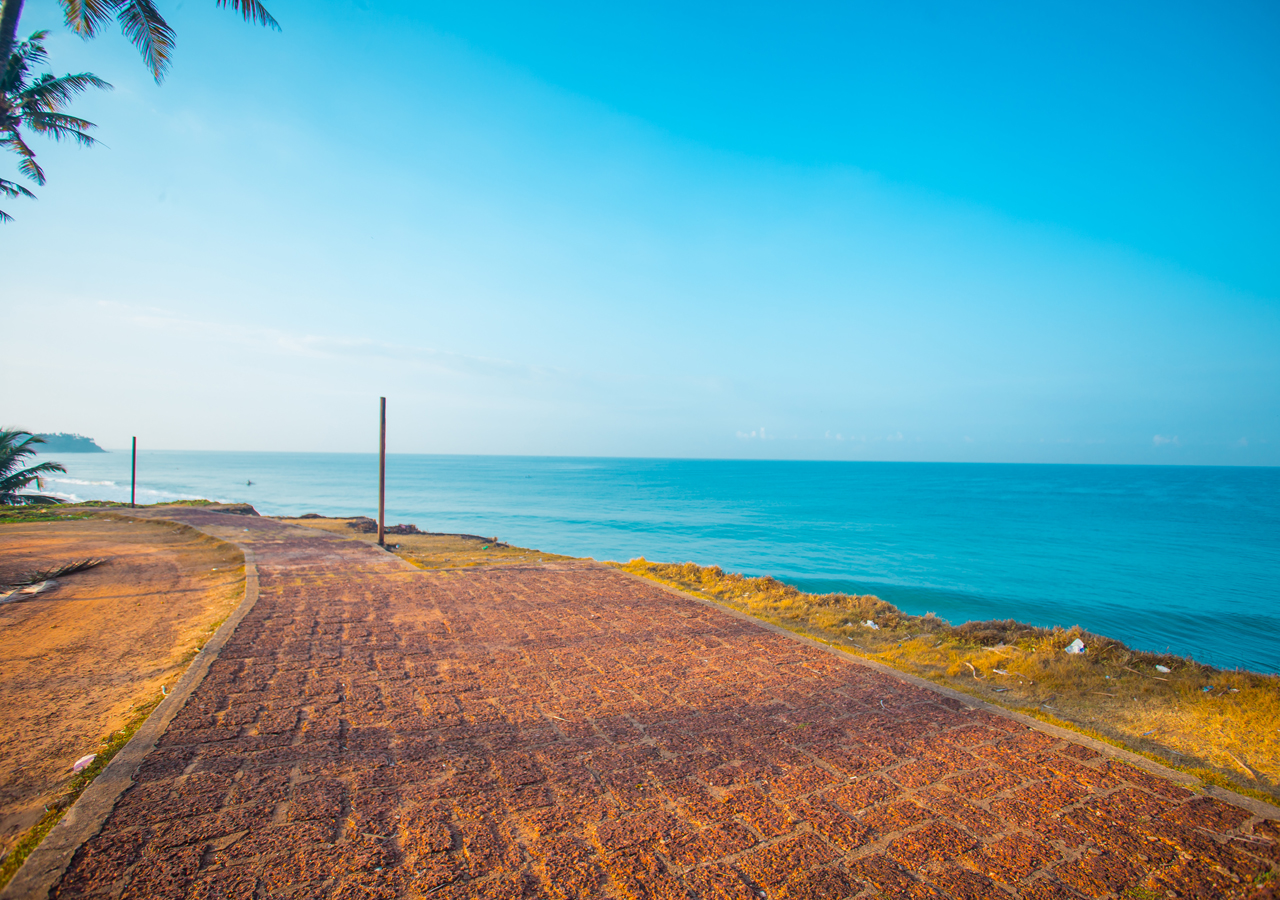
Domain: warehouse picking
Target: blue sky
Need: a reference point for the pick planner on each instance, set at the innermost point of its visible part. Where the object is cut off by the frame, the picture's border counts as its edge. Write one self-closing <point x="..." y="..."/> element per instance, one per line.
<point x="1006" y="233"/>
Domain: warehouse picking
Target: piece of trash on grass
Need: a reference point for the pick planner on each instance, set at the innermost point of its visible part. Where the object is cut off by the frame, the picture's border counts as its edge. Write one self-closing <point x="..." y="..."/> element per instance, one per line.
<point x="1207" y="688"/>
<point x="870" y="624"/>
<point x="84" y="762"/>
<point x="1145" y="733"/>
<point x="1000" y="671"/>
<point x="1076" y="646"/>
<point x="1001" y="690"/>
<point x="1164" y="669"/>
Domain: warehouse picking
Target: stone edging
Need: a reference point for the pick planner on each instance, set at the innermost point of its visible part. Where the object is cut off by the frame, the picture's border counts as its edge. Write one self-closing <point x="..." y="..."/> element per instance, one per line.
<point x="1258" y="808"/>
<point x="47" y="863"/>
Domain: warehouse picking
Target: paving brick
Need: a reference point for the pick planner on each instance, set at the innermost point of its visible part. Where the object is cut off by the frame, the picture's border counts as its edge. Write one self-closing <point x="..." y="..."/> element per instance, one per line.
<point x="772" y="866"/>
<point x="758" y="811"/>
<point x="373" y="730"/>
<point x="1011" y="858"/>
<point x="933" y="841"/>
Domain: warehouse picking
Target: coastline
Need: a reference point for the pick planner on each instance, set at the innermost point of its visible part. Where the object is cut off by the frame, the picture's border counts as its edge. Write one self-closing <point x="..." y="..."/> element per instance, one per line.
<point x="1164" y="561"/>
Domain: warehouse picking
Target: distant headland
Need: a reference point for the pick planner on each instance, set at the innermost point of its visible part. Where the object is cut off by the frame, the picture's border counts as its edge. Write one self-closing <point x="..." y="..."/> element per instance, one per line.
<point x="68" y="443"/>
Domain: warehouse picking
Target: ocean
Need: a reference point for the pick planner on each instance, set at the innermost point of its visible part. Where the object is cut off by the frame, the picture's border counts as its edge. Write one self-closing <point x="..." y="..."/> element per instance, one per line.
<point x="1167" y="559"/>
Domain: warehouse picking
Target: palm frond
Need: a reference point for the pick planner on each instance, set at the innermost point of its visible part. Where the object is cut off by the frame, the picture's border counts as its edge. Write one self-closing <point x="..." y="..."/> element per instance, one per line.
<point x="28" y="166"/>
<point x="51" y="94"/>
<point x="16" y="446"/>
<point x="29" y="53"/>
<point x="23" y="477"/>
<point x="61" y="571"/>
<point x="85" y="17"/>
<point x="253" y="11"/>
<point x="13" y="189"/>
<point x="59" y="126"/>
<point x="142" y="24"/>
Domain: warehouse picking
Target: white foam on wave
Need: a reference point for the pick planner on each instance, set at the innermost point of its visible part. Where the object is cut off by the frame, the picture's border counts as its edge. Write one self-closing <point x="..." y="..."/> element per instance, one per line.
<point x="77" y="481"/>
<point x="119" y="493"/>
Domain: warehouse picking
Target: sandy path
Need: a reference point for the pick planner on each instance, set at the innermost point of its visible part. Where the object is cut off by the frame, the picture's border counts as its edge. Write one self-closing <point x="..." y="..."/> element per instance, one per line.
<point x="376" y="731"/>
<point x="76" y="660"/>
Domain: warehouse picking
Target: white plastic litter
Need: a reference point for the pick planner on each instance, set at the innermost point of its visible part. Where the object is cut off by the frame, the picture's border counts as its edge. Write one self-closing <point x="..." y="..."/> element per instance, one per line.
<point x="83" y="762"/>
<point x="870" y="624"/>
<point x="1164" y="669"/>
<point x="1076" y="646"/>
<point x="1000" y="671"/>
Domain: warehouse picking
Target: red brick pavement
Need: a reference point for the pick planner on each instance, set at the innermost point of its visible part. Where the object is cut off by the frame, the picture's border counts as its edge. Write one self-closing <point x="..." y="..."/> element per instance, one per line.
<point x="372" y="731"/>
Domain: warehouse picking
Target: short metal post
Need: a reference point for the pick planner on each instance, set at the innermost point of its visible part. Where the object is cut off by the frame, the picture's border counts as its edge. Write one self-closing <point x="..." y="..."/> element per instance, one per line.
<point x="133" y="477"/>
<point x="382" y="475"/>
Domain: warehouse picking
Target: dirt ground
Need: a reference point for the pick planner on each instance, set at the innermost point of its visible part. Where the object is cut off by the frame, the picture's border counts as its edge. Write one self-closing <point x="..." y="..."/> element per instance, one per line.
<point x="78" y="659"/>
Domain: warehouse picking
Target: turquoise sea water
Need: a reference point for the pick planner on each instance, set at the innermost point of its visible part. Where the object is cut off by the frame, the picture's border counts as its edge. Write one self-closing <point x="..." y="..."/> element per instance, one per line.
<point x="1184" y="559"/>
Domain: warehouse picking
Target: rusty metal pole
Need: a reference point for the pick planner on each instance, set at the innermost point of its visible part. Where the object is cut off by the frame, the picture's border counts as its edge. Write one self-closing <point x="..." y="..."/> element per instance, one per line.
<point x="382" y="476"/>
<point x="133" y="477"/>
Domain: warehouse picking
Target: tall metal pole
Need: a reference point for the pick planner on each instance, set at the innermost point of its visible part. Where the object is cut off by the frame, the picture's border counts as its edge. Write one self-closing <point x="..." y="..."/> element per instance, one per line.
<point x="133" y="477"/>
<point x="382" y="475"/>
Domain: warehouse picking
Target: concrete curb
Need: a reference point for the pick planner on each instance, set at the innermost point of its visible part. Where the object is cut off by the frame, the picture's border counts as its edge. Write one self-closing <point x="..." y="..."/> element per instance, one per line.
<point x="47" y="863"/>
<point x="1258" y="808"/>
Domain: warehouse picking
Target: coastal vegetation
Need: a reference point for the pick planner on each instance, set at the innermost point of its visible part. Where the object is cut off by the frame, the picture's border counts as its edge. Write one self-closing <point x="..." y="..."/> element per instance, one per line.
<point x="15" y="447"/>
<point x="59" y="442"/>
<point x="1221" y="726"/>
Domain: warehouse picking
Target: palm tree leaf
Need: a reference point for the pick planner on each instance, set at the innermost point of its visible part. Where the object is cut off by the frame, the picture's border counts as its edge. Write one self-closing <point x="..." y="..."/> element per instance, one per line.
<point x="13" y="189"/>
<point x="142" y="24"/>
<point x="253" y="11"/>
<point x="28" y="166"/>
<point x="59" y="126"/>
<point x="13" y="479"/>
<point x="85" y="17"/>
<point x="50" y="93"/>
<point x="29" y="53"/>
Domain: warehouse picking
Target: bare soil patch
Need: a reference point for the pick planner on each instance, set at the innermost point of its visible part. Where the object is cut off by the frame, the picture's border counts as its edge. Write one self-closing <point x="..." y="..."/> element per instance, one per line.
<point x="80" y="658"/>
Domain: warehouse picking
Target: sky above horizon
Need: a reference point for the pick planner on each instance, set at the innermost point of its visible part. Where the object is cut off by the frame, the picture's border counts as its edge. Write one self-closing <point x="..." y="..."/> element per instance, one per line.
<point x="1002" y="233"/>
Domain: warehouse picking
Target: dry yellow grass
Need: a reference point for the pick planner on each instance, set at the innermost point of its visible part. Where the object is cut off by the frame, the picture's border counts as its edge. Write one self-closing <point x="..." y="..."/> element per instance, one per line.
<point x="1223" y="726"/>
<point x="438" y="551"/>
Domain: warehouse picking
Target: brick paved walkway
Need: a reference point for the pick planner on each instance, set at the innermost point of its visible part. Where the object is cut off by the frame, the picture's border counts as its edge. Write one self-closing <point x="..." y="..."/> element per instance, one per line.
<point x="376" y="731"/>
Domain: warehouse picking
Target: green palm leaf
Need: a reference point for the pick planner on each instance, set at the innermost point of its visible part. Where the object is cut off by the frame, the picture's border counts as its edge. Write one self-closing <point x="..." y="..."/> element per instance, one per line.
<point x="12" y="189"/>
<point x="37" y="104"/>
<point x="253" y="12"/>
<point x="59" y="126"/>
<point x="15" y="446"/>
<point x="51" y="94"/>
<point x="28" y="166"/>
<point x="142" y="24"/>
<point x="85" y="17"/>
